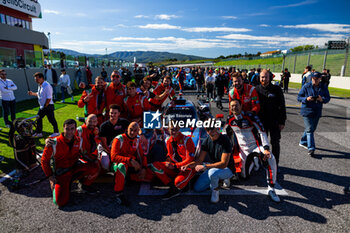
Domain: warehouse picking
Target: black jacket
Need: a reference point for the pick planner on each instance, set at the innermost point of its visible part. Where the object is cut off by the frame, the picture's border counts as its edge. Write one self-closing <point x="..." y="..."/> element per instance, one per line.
<point x="272" y="105"/>
<point x="54" y="75"/>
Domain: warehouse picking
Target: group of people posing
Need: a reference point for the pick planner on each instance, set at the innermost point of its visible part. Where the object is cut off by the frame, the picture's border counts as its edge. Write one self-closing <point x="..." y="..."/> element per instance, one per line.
<point x="111" y="139"/>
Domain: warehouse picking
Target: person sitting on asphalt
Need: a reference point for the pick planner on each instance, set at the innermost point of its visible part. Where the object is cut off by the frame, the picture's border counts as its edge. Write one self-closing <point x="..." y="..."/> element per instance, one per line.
<point x="115" y="91"/>
<point x="245" y="93"/>
<point x="128" y="158"/>
<point x="180" y="153"/>
<point x="109" y="129"/>
<point x="65" y="153"/>
<point x="93" y="101"/>
<point x="135" y="104"/>
<point x="219" y="149"/>
<point x="162" y="92"/>
<point x="247" y="129"/>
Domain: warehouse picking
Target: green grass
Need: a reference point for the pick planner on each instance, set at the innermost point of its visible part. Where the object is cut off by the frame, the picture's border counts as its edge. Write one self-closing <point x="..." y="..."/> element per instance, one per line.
<point x="344" y="93"/>
<point x="184" y="62"/>
<point x="30" y="108"/>
<point x="334" y="63"/>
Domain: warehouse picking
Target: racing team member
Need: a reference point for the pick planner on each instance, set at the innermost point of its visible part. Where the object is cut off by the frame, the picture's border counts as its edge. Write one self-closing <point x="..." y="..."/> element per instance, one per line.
<point x="181" y="76"/>
<point x="273" y="110"/>
<point x="135" y="104"/>
<point x="108" y="131"/>
<point x="64" y="154"/>
<point x="93" y="101"/>
<point x="115" y="91"/>
<point x="128" y="159"/>
<point x="247" y="130"/>
<point x="180" y="153"/>
<point x="245" y="93"/>
<point x="89" y="139"/>
<point x="162" y="91"/>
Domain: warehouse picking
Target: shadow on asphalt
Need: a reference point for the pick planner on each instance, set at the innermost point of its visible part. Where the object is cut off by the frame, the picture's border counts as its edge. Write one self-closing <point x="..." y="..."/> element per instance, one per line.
<point x="255" y="206"/>
<point x="335" y="154"/>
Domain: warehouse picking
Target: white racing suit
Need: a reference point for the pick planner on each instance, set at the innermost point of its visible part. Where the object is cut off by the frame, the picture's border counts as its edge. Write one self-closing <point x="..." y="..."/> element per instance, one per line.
<point x="249" y="132"/>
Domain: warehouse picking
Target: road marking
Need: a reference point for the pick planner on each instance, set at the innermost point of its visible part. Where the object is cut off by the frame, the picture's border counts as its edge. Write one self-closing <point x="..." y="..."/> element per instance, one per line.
<point x="145" y="190"/>
<point x="7" y="176"/>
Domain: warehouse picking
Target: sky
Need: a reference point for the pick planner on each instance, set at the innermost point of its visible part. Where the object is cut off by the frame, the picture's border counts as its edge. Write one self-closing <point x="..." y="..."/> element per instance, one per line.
<point x="202" y="28"/>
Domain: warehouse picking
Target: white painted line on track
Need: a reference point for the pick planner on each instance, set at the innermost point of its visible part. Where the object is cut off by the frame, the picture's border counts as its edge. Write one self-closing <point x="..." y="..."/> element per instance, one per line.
<point x="7" y="176"/>
<point x="145" y="190"/>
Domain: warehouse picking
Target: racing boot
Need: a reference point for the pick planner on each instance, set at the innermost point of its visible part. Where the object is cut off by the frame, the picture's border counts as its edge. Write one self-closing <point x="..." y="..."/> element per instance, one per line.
<point x="173" y="192"/>
<point x="272" y="194"/>
<point x="122" y="200"/>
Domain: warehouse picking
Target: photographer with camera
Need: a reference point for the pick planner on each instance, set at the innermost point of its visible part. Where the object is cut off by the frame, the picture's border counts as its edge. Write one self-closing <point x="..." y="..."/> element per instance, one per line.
<point x="312" y="97"/>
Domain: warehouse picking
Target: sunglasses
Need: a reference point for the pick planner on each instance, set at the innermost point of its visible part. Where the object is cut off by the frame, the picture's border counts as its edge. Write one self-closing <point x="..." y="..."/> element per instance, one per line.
<point x="115" y="76"/>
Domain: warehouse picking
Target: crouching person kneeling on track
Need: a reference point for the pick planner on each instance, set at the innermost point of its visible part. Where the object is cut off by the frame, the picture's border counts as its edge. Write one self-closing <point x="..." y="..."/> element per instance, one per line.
<point x="173" y="171"/>
<point x="60" y="162"/>
<point x="247" y="130"/>
<point x="219" y="149"/>
<point x="128" y="158"/>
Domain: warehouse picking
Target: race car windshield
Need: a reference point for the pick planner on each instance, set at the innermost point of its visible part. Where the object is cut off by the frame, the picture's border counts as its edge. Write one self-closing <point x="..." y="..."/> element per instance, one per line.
<point x="180" y="114"/>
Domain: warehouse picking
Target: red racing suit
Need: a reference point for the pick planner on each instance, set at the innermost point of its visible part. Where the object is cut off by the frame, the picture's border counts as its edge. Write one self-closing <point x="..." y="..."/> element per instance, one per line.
<point x="63" y="156"/>
<point x="89" y="140"/>
<point x="114" y="95"/>
<point x="157" y="104"/>
<point x="92" y="107"/>
<point x="180" y="152"/>
<point x="135" y="106"/>
<point x="249" y="98"/>
<point x="249" y="131"/>
<point x="123" y="150"/>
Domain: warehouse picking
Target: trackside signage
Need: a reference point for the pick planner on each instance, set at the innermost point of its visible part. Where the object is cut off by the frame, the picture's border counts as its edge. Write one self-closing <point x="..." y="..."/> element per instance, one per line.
<point x="30" y="7"/>
<point x="152" y="120"/>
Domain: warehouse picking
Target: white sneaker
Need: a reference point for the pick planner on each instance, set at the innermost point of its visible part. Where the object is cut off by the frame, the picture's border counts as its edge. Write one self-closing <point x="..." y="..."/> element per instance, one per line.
<point x="226" y="183"/>
<point x="62" y="101"/>
<point x="274" y="197"/>
<point x="37" y="135"/>
<point x="256" y="163"/>
<point x="303" y="146"/>
<point x="55" y="135"/>
<point x="214" y="196"/>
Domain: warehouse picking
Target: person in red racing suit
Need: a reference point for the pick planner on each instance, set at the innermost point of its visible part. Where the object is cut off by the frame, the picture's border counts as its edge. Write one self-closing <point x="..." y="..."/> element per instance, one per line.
<point x="128" y="157"/>
<point x="245" y="93"/>
<point x="89" y="139"/>
<point x="135" y="104"/>
<point x="63" y="156"/>
<point x="115" y="91"/>
<point x="248" y="130"/>
<point x="93" y="101"/>
<point x="181" y="76"/>
<point x="180" y="153"/>
<point x="162" y="92"/>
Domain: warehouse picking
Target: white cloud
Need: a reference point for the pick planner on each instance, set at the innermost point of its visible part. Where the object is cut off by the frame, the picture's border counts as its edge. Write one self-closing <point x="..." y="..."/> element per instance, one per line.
<point x="159" y="26"/>
<point x="215" y="29"/>
<point x="166" y="17"/>
<point x="121" y="25"/>
<point x="141" y="16"/>
<point x="47" y="11"/>
<point x="330" y="27"/>
<point x="307" y="2"/>
<point x="280" y="41"/>
<point x="229" y="17"/>
<point x="147" y="43"/>
<point x="264" y="25"/>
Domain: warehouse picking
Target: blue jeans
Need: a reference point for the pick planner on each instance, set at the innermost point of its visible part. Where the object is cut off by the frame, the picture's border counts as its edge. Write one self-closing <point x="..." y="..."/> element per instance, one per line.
<point x="54" y="94"/>
<point x="6" y="106"/>
<point x="210" y="178"/>
<point x="63" y="90"/>
<point x="310" y="124"/>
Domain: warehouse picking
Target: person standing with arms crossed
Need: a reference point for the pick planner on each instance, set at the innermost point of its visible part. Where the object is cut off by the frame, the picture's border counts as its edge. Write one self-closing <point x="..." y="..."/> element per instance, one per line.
<point x="8" y="98"/>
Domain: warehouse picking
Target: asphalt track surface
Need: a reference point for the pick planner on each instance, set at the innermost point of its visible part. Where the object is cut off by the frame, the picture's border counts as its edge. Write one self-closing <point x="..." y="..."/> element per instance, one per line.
<point x="317" y="198"/>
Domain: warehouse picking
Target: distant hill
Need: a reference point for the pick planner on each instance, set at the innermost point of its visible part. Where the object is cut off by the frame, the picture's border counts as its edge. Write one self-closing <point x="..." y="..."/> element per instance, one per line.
<point x="141" y="56"/>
